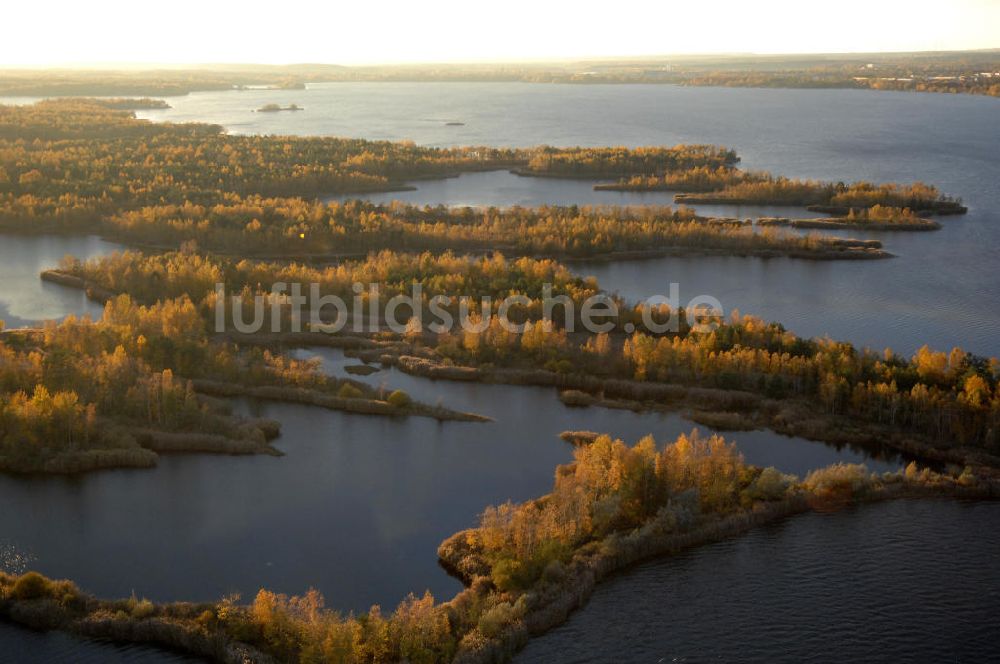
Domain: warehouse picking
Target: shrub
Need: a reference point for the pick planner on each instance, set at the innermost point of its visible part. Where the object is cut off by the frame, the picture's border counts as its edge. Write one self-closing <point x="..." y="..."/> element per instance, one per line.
<point x="493" y="622"/>
<point x="559" y="366"/>
<point x="348" y="391"/>
<point x="554" y="572"/>
<point x="507" y="574"/>
<point x="66" y="593"/>
<point x="31" y="586"/>
<point x="207" y="618"/>
<point x="399" y="399"/>
<point x="839" y="478"/>
<point x="967" y="478"/>
<point x="577" y="398"/>
<point x="141" y="609"/>
<point x="771" y="484"/>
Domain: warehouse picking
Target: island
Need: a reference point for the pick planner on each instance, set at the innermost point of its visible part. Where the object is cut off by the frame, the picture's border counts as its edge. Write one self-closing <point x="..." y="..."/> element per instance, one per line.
<point x="275" y="108"/>
<point x="875" y="218"/>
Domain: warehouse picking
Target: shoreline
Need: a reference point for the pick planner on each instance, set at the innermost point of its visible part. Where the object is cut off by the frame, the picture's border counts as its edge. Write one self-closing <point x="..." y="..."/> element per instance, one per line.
<point x="311" y="397"/>
<point x="753" y="409"/>
<point x="838" y="249"/>
<point x="941" y="208"/>
<point x="35" y="602"/>
<point x="150" y="445"/>
<point x="596" y="562"/>
<point x="843" y="223"/>
<point x="723" y="410"/>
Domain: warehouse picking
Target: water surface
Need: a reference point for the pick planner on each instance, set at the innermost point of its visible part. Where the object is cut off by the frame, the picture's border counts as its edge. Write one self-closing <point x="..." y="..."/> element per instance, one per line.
<point x="25" y="299"/>
<point x="355" y="509"/>
<point x="25" y="646"/>
<point x="890" y="582"/>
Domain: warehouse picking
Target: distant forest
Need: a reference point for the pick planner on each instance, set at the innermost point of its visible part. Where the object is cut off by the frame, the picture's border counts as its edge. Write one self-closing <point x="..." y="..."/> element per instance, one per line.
<point x="965" y="72"/>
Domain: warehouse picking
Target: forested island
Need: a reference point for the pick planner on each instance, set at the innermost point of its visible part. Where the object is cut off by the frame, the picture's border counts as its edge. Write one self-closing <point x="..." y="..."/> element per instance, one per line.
<point x="274" y="108"/>
<point x="834" y="198"/>
<point x="857" y="201"/>
<point x="875" y="218"/>
<point x="80" y="395"/>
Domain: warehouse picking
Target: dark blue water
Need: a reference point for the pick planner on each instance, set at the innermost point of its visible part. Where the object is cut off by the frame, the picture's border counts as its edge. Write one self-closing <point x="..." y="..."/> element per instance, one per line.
<point x="907" y="581"/>
<point x="24" y="646"/>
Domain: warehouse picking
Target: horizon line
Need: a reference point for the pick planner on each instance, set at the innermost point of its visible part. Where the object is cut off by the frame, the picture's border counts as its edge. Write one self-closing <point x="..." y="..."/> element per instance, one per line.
<point x="569" y="59"/>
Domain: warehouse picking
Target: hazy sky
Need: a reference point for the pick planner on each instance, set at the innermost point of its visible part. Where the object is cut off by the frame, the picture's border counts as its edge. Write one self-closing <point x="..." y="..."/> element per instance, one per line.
<point x="46" y="32"/>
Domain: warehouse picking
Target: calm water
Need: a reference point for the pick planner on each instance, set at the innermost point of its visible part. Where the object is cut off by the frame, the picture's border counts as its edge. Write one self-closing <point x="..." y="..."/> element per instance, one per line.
<point x="893" y="582"/>
<point x="941" y="290"/>
<point x="29" y="647"/>
<point x="24" y="298"/>
<point x="356" y="509"/>
<point x="504" y="189"/>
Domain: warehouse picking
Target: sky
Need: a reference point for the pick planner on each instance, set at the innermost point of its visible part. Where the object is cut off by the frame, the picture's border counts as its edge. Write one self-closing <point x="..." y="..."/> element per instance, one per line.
<point x="77" y="32"/>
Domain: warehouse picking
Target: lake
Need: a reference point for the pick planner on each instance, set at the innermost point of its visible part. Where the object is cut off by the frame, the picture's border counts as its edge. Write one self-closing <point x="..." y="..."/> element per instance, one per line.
<point x="359" y="504"/>
<point x="25" y="300"/>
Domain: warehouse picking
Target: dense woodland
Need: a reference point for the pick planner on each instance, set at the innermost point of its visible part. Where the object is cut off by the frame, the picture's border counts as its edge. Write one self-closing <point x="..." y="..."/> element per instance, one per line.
<point x="84" y="165"/>
<point x="483" y="282"/>
<point x="73" y="394"/>
<point x="69" y="163"/>
<point x="65" y="394"/>
<point x="136" y="83"/>
<point x="698" y="178"/>
<point x="295" y="227"/>
<point x="730" y="185"/>
<point x="622" y="161"/>
<point x="151" y="277"/>
<point x="953" y="398"/>
<point x="615" y="487"/>
<point x="74" y="160"/>
<point x="957" y="82"/>
<point x="968" y="72"/>
<point x="876" y="217"/>
<point x="858" y="201"/>
<point x="830" y="196"/>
